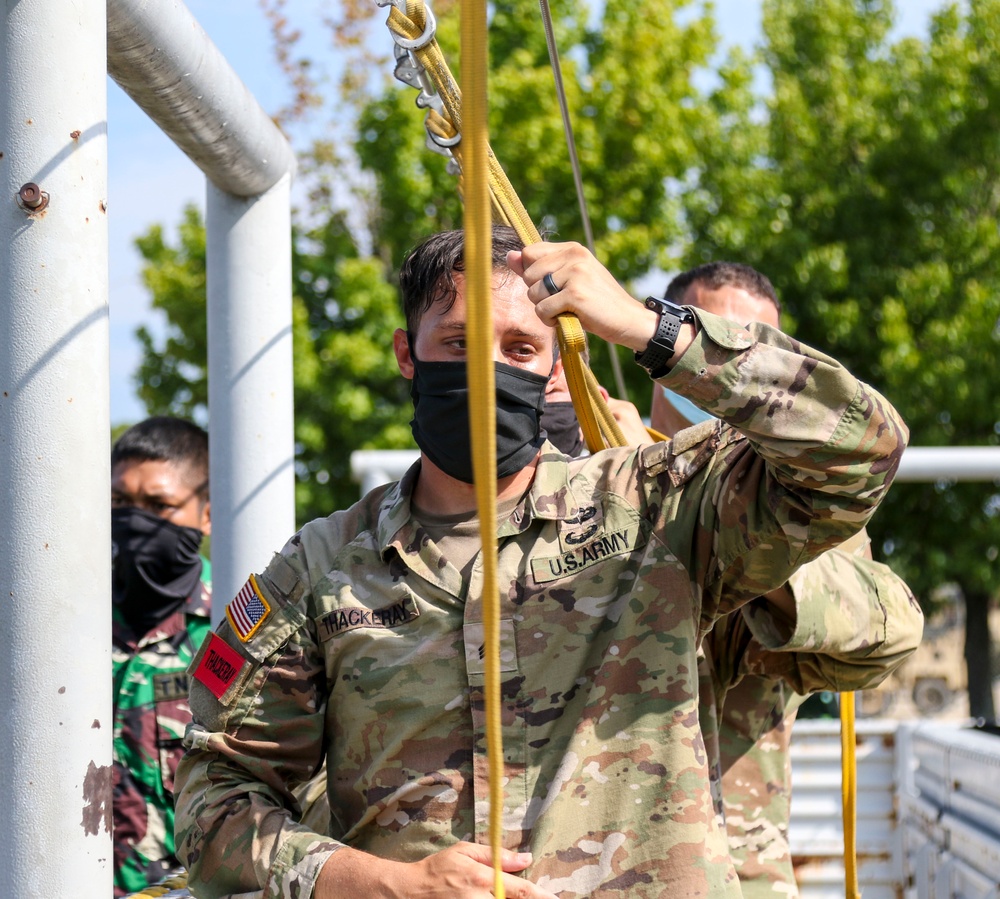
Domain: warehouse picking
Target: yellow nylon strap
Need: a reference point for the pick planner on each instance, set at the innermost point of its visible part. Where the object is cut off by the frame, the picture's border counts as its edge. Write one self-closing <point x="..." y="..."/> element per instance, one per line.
<point x="849" y="795"/>
<point x="482" y="394"/>
<point x="596" y="421"/>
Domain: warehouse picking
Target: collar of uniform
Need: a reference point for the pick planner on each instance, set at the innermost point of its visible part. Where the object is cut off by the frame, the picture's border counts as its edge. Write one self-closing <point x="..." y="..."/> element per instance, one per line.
<point x="551" y="496"/>
<point x="394" y="508"/>
<point x="197" y="605"/>
<point x="124" y="636"/>
<point x="200" y="602"/>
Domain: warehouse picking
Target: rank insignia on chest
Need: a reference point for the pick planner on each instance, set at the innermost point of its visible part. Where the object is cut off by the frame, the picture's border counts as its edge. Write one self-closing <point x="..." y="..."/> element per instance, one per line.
<point x="248" y="611"/>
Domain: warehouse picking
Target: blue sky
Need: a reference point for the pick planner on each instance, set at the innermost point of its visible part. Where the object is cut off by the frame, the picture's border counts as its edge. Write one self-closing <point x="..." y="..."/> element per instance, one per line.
<point x="150" y="180"/>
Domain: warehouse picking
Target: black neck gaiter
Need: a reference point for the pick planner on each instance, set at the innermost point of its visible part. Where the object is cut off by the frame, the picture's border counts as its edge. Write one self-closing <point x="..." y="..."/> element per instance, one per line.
<point x="155" y="566"/>
<point x="562" y="428"/>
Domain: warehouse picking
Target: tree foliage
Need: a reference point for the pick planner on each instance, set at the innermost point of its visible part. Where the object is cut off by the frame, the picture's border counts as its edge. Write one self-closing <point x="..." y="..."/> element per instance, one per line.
<point x="632" y="108"/>
<point x="865" y="186"/>
<point x="171" y="379"/>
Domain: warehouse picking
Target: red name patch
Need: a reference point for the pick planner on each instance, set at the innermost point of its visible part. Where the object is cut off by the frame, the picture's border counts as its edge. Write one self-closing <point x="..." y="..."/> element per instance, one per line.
<point x="219" y="666"/>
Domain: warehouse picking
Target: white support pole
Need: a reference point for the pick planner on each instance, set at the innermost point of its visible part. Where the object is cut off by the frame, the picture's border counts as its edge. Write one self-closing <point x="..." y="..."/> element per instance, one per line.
<point x="249" y="382"/>
<point x="163" y="59"/>
<point x="950" y="463"/>
<point x="55" y="549"/>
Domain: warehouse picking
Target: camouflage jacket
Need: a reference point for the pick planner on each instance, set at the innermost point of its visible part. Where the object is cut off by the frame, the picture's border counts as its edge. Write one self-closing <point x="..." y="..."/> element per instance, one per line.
<point x="856" y="622"/>
<point x="150" y="715"/>
<point x="361" y="645"/>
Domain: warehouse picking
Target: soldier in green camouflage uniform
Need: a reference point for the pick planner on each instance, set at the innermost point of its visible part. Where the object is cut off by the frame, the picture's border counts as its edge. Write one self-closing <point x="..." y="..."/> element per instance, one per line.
<point x="161" y="593"/>
<point x="856" y="621"/>
<point x="361" y="643"/>
<point x="852" y="622"/>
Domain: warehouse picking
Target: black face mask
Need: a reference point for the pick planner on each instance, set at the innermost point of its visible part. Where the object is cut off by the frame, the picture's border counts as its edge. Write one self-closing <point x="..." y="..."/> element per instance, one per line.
<point x="155" y="566"/>
<point x="562" y="427"/>
<point x="441" y="416"/>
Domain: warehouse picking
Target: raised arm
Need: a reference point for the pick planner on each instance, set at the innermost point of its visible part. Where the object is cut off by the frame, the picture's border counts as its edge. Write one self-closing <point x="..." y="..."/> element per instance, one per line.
<point x="820" y="447"/>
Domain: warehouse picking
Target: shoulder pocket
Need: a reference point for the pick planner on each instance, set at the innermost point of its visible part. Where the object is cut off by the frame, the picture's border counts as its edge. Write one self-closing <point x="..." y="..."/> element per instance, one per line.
<point x="228" y="662"/>
<point x="688" y="452"/>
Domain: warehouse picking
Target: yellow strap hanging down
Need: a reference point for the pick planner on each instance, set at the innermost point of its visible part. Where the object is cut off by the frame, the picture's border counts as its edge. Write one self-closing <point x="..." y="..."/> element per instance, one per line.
<point x="849" y="795"/>
<point x="482" y="394"/>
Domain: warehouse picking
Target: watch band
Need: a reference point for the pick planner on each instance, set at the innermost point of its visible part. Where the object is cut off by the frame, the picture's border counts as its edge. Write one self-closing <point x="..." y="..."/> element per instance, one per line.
<point x="661" y="346"/>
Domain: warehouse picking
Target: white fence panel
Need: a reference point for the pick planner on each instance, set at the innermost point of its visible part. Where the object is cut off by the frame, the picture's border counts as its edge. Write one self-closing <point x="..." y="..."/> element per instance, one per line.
<point x="816" y="829"/>
<point x="950" y="811"/>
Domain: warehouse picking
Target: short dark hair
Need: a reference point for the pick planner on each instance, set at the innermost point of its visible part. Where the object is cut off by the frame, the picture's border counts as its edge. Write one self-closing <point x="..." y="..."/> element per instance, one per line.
<point x="715" y="275"/>
<point x="167" y="439"/>
<point x="428" y="272"/>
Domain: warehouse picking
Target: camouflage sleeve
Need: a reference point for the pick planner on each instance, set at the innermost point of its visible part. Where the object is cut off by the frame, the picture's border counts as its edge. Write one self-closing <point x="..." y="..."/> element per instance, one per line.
<point x="820" y="450"/>
<point x="855" y="622"/>
<point x="237" y="817"/>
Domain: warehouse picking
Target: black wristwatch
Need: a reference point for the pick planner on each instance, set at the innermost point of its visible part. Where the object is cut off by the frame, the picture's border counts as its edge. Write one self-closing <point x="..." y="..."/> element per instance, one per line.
<point x="661" y="347"/>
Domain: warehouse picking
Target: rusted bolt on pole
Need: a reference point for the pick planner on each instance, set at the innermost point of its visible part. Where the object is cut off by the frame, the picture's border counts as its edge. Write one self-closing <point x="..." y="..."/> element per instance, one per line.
<point x="32" y="197"/>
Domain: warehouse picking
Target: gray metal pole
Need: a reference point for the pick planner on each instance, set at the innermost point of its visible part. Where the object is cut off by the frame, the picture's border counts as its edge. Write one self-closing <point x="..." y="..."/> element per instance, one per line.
<point x="55" y="550"/>
<point x="249" y="382"/>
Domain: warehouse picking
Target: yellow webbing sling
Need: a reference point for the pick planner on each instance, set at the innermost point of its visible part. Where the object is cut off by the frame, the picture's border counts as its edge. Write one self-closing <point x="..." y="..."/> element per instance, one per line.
<point x="849" y="795"/>
<point x="161" y="889"/>
<point x="415" y="27"/>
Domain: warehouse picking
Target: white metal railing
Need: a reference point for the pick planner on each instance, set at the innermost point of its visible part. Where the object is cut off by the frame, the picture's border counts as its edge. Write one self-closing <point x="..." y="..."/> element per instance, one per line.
<point x="816" y="826"/>
<point x="919" y="463"/>
<point x="949" y="810"/>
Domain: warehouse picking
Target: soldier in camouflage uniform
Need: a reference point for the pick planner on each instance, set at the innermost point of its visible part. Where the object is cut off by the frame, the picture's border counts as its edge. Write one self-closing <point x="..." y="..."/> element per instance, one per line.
<point x="161" y="592"/>
<point x="852" y="622"/>
<point x="361" y="642"/>
<point x="855" y="622"/>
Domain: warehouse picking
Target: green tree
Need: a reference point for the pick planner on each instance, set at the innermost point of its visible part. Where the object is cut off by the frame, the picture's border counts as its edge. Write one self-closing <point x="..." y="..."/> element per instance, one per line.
<point x="171" y="380"/>
<point x="864" y="186"/>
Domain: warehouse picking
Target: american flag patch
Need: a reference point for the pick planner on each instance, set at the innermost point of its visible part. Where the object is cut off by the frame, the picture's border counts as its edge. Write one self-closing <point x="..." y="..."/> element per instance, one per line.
<point x="248" y="611"/>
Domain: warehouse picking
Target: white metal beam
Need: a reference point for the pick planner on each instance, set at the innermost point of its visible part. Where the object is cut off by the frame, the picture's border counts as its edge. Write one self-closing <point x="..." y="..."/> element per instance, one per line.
<point x="162" y="58"/>
<point x="950" y="463"/>
<point x="919" y="463"/>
